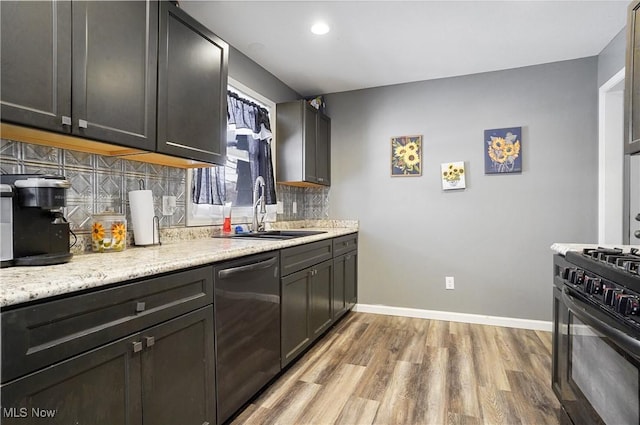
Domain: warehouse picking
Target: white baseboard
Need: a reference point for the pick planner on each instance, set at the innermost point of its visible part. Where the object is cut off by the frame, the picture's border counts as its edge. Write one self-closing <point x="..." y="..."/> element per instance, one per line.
<point x="508" y="322"/>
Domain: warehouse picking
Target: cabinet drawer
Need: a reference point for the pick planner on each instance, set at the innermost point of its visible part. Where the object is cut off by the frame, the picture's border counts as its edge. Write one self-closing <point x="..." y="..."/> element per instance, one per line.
<point x="344" y="244"/>
<point x="42" y="334"/>
<point x="303" y="256"/>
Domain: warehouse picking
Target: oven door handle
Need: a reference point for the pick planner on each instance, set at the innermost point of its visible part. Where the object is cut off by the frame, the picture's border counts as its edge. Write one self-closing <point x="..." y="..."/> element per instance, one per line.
<point x="587" y="314"/>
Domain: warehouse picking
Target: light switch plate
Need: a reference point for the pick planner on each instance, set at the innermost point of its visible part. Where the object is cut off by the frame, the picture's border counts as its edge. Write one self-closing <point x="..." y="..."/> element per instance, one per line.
<point x="294" y="207"/>
<point x="280" y="207"/>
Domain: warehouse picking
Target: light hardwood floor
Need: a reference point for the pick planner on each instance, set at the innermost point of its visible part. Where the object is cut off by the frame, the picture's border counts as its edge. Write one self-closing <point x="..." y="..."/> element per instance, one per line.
<point x="374" y="369"/>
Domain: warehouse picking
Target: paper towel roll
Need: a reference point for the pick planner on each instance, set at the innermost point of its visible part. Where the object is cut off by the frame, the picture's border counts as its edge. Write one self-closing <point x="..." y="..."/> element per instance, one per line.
<point x="141" y="203"/>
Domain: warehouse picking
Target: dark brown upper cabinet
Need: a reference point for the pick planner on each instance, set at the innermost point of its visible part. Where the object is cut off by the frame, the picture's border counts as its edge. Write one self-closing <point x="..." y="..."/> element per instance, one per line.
<point x="35" y="64"/>
<point x="632" y="81"/>
<point x="82" y="68"/>
<point x="303" y="144"/>
<point x="192" y="88"/>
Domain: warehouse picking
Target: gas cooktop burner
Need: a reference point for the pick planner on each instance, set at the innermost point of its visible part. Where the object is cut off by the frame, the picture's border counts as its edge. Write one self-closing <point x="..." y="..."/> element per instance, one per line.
<point x="627" y="261"/>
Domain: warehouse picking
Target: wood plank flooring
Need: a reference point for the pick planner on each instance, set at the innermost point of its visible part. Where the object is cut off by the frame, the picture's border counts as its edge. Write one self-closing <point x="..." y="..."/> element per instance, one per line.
<point x="374" y="369"/>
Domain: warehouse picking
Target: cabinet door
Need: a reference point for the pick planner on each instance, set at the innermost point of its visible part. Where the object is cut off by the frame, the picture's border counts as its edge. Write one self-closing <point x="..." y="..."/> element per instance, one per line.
<point x="295" y="318"/>
<point x="339" y="304"/>
<point x="323" y="150"/>
<point x="178" y="378"/>
<point x="101" y="386"/>
<point x="310" y="126"/>
<point x="351" y="279"/>
<point x="320" y="298"/>
<point x="192" y="88"/>
<point x="35" y="63"/>
<point x="345" y="283"/>
<point x="114" y="71"/>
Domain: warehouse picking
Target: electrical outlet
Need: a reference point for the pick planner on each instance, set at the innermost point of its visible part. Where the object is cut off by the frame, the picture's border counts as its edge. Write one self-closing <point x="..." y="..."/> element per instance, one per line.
<point x="168" y="205"/>
<point x="295" y="207"/>
<point x="448" y="282"/>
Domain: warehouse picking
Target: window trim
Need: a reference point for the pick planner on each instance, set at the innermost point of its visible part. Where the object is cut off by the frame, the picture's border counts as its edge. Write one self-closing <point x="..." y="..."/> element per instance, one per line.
<point x="238" y="214"/>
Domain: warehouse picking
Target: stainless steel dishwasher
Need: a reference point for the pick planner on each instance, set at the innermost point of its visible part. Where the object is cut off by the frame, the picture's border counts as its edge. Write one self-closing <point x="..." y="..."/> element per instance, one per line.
<point x="247" y="325"/>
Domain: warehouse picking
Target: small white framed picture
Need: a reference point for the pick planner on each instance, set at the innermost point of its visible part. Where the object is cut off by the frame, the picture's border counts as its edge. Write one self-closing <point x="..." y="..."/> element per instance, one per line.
<point x="452" y="175"/>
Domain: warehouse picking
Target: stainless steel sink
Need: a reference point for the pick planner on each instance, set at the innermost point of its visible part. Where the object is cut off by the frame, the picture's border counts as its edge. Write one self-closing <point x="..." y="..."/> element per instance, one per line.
<point x="276" y="234"/>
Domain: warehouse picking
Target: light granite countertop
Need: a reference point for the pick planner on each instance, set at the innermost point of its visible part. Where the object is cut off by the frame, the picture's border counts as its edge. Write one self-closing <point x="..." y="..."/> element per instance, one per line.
<point x="22" y="284"/>
<point x="563" y="248"/>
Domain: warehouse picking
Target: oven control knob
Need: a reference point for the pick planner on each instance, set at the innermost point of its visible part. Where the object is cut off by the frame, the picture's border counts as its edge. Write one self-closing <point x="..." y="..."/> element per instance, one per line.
<point x="565" y="273"/>
<point x="576" y="276"/>
<point x="592" y="285"/>
<point x="627" y="304"/>
<point x="609" y="295"/>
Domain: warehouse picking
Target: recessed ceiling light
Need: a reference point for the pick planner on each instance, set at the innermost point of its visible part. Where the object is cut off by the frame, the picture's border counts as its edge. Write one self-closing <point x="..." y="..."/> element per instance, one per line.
<point x="320" y="28"/>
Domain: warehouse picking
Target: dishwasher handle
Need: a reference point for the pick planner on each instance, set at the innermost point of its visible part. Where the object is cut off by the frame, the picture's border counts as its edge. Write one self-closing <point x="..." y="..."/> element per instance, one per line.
<point x="225" y="273"/>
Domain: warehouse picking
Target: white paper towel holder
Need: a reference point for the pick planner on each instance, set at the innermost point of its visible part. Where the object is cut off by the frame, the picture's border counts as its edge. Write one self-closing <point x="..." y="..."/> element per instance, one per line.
<point x="155" y="235"/>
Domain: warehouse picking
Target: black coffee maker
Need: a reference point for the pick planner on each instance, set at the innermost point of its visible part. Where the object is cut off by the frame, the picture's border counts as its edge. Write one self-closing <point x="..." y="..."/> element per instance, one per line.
<point x="40" y="231"/>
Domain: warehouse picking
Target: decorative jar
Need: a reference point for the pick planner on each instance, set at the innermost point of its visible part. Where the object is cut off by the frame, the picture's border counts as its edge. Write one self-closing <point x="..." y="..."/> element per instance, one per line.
<point x="108" y="232"/>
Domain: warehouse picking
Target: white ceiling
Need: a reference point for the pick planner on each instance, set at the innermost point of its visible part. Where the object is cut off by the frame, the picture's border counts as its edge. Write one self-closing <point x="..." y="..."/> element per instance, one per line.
<point x="377" y="43"/>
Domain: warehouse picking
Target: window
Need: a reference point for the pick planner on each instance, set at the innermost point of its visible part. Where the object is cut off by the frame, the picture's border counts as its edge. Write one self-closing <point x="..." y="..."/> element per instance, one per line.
<point x="249" y="154"/>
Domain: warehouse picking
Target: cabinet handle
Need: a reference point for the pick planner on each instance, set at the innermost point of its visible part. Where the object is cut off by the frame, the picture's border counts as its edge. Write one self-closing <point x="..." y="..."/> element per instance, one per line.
<point x="140" y="306"/>
<point x="320" y="179"/>
<point x="66" y="120"/>
<point x="83" y="123"/>
<point x="205" y="423"/>
<point x="150" y="340"/>
<point x="137" y="346"/>
<point x="348" y="257"/>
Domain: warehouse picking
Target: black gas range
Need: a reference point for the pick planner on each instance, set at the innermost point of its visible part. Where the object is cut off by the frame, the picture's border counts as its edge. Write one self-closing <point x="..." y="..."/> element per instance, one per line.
<point x="596" y="336"/>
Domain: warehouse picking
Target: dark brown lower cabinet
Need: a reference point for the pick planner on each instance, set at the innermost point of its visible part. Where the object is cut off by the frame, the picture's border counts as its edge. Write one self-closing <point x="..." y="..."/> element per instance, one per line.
<point x="100" y="386"/>
<point x="320" y="298"/>
<point x="345" y="282"/>
<point x="306" y="308"/>
<point x="178" y="377"/>
<point x="351" y="279"/>
<point x="162" y="375"/>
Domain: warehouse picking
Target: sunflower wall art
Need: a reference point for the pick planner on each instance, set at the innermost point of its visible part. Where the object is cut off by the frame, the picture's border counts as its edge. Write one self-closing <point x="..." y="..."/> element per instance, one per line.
<point x="453" y="175"/>
<point x="406" y="156"/>
<point x="503" y="150"/>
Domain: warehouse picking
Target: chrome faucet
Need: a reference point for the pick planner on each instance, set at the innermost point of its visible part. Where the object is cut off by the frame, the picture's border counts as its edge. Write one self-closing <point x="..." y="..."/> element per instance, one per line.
<point x="258" y="185"/>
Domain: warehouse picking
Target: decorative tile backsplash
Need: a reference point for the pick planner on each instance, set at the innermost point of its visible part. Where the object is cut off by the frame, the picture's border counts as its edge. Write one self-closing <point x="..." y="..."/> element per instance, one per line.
<point x="100" y="183"/>
<point x="311" y="203"/>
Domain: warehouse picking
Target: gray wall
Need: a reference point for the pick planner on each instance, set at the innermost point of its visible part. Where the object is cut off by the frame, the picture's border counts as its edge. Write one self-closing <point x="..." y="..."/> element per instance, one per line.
<point x="252" y="75"/>
<point x="493" y="237"/>
<point x="612" y="58"/>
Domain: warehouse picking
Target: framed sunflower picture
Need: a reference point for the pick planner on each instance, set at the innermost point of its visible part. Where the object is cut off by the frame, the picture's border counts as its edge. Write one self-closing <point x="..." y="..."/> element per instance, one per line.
<point x="453" y="175"/>
<point x="503" y="150"/>
<point x="406" y="156"/>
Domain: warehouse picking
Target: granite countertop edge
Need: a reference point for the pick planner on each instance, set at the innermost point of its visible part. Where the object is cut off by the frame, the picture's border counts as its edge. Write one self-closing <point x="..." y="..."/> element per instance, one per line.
<point x="562" y="248"/>
<point x="26" y="284"/>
